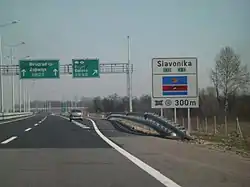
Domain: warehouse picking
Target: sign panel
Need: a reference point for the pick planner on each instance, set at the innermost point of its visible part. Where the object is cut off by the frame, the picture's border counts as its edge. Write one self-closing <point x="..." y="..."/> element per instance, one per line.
<point x="85" y="68"/>
<point x="174" y="83"/>
<point x="39" y="69"/>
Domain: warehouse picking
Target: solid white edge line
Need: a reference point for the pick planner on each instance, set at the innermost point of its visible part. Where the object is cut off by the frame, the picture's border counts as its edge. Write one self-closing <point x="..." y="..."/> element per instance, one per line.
<point x="151" y="171"/>
<point x="80" y="124"/>
<point x="76" y="123"/>
<point x="9" y="140"/>
<point x="28" y="129"/>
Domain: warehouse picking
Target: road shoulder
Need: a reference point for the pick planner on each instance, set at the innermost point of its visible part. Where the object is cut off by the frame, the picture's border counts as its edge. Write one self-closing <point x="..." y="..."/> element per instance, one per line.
<point x="188" y="164"/>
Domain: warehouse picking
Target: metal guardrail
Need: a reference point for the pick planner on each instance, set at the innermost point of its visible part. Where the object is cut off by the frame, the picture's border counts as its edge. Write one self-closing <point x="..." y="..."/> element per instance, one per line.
<point x="6" y="116"/>
<point x="158" y="128"/>
<point x="162" y="125"/>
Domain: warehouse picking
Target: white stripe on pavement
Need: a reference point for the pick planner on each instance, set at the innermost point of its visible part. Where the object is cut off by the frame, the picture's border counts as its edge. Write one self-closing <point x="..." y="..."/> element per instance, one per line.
<point x="28" y="129"/>
<point x="43" y="120"/>
<point x="36" y="124"/>
<point x="80" y="124"/>
<point x="9" y="140"/>
<point x="151" y="171"/>
<point x="76" y="123"/>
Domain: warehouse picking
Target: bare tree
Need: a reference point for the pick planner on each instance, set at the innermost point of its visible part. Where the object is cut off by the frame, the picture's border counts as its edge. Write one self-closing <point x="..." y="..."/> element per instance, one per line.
<point x="229" y="76"/>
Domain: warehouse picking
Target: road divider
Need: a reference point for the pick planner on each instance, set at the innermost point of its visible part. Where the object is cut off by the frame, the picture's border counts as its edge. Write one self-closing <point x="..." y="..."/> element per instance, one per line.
<point x="163" y="126"/>
<point x="17" y="119"/>
<point x="7" y="116"/>
<point x="138" y="127"/>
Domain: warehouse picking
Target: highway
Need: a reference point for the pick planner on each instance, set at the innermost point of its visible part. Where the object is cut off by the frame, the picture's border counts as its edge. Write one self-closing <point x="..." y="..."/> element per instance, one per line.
<point x="48" y="150"/>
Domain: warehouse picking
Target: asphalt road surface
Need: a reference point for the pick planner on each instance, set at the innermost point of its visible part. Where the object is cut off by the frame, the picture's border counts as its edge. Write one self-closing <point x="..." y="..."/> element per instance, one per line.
<point x="48" y="150"/>
<point x="51" y="151"/>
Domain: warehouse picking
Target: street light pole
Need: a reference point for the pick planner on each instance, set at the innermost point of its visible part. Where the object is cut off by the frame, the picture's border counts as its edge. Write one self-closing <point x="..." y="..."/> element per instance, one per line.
<point x="24" y="100"/>
<point x="28" y="102"/>
<point x="1" y="64"/>
<point x="129" y="79"/>
<point x="20" y="95"/>
<point x="12" y="80"/>
<point x="20" y="91"/>
<point x="1" y="77"/>
<point x="13" y="74"/>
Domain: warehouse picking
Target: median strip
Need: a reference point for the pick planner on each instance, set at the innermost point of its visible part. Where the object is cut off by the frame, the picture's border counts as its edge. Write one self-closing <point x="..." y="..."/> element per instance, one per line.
<point x="18" y="119"/>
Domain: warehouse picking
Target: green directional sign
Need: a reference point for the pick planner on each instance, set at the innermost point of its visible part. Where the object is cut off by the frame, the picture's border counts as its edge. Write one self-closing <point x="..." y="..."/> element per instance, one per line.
<point x="39" y="69"/>
<point x="85" y="68"/>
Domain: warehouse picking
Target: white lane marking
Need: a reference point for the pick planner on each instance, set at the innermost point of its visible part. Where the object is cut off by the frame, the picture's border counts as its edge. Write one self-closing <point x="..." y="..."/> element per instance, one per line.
<point x="151" y="171"/>
<point x="19" y="119"/>
<point x="80" y="124"/>
<point x="76" y="123"/>
<point x="9" y="140"/>
<point x="63" y="117"/>
<point x="28" y="129"/>
<point x="36" y="124"/>
<point x="43" y="119"/>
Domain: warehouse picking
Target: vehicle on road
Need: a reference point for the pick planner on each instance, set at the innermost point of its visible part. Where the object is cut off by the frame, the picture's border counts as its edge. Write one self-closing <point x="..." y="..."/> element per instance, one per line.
<point x="75" y="114"/>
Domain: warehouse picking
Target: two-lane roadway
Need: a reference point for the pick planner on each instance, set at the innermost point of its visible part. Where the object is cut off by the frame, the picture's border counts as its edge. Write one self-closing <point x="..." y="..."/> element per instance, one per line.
<point x="13" y="129"/>
<point x="52" y="151"/>
<point x="49" y="150"/>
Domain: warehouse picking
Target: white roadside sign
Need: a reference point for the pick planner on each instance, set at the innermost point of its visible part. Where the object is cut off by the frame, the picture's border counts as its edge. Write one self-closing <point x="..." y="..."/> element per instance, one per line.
<point x="174" y="83"/>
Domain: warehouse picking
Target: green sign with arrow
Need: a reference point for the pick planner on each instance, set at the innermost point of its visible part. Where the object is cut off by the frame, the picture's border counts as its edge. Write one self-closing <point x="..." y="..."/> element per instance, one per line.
<point x="39" y="69"/>
<point x="85" y="68"/>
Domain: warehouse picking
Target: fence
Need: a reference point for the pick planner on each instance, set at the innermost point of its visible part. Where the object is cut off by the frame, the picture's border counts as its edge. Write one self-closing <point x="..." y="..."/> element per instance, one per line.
<point x="215" y="125"/>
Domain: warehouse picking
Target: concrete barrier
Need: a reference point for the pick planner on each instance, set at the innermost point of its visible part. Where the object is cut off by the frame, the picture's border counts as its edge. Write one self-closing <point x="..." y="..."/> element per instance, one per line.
<point x="7" y="116"/>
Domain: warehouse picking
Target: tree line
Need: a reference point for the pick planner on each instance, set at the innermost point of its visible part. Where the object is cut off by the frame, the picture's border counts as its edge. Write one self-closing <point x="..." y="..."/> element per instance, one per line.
<point x="229" y="95"/>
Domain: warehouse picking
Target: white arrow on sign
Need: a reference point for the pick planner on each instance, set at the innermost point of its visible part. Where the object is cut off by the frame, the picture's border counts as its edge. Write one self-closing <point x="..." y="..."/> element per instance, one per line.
<point x="95" y="72"/>
<point x="23" y="72"/>
<point x="55" y="71"/>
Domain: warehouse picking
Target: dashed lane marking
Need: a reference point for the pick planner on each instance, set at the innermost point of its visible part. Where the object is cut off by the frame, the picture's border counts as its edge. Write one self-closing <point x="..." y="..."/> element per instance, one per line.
<point x="9" y="140"/>
<point x="43" y="120"/>
<point x="28" y="129"/>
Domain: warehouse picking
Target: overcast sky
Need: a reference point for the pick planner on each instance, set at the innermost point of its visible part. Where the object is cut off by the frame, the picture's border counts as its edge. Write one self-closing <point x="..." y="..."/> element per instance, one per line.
<point x="66" y="29"/>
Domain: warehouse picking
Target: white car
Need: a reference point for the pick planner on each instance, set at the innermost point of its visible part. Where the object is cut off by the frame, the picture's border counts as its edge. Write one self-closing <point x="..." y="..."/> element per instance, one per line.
<point x="75" y="114"/>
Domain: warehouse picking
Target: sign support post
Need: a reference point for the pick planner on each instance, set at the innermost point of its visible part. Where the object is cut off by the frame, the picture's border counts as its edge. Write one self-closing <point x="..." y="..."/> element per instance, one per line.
<point x="189" y="122"/>
<point x="175" y="115"/>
